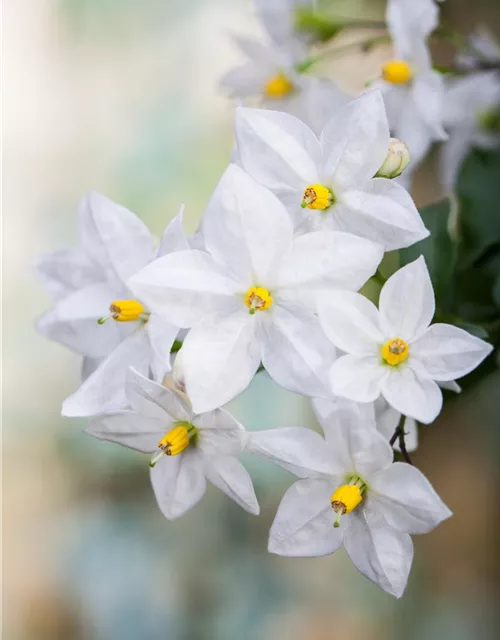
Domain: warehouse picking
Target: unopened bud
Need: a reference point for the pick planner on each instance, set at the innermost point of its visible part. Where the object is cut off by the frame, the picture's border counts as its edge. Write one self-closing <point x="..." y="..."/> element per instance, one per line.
<point x="397" y="159"/>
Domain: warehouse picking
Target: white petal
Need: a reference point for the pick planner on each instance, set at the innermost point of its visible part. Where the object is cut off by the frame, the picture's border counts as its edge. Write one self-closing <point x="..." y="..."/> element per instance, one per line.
<point x="114" y="236"/>
<point x="156" y="400"/>
<point x="382" y="211"/>
<point x="409" y="20"/>
<point x="246" y="227"/>
<point x="428" y="95"/>
<point x="304" y="522"/>
<point x="129" y="429"/>
<point x="322" y="260"/>
<point x="407" y="302"/>
<point x="452" y="154"/>
<point x="450" y="385"/>
<point x="219" y="357"/>
<point x="224" y="437"/>
<point x="161" y="336"/>
<point x="104" y="390"/>
<point x="66" y="271"/>
<point x="355" y="141"/>
<point x="246" y="80"/>
<point x="446" y="352"/>
<point x="298" y="450"/>
<point x="351" y="322"/>
<point x="174" y="238"/>
<point x="231" y="477"/>
<point x="178" y="482"/>
<point x="318" y="100"/>
<point x="379" y="552"/>
<point x="412" y="394"/>
<point x="89" y="365"/>
<point x="370" y="451"/>
<point x="357" y="378"/>
<point x="184" y="286"/>
<point x="295" y="351"/>
<point x="407" y="499"/>
<point x="388" y="420"/>
<point x="277" y="149"/>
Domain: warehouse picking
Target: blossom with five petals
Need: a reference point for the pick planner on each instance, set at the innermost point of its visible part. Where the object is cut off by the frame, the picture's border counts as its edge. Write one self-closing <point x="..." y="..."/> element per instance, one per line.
<point x="188" y="449"/>
<point x="251" y="297"/>
<point x="328" y="183"/>
<point x="364" y="501"/>
<point x="393" y="351"/>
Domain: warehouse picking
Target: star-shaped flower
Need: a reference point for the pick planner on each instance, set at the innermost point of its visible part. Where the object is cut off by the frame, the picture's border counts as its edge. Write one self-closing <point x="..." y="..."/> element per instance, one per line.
<point x="393" y="351"/>
<point x="95" y="314"/>
<point x="364" y="501"/>
<point x="251" y="297"/>
<point x="188" y="449"/>
<point x="329" y="183"/>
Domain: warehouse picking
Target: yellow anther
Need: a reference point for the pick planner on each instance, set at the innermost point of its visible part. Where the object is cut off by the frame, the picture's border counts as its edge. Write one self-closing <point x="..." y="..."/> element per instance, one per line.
<point x="316" y="196"/>
<point x="395" y="351"/>
<point x="258" y="299"/>
<point x="278" y="86"/>
<point x="346" y="498"/>
<point x="397" y="72"/>
<point x="125" y="311"/>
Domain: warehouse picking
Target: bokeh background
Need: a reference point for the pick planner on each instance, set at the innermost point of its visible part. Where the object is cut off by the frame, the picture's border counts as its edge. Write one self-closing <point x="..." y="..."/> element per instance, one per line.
<point x="122" y="96"/>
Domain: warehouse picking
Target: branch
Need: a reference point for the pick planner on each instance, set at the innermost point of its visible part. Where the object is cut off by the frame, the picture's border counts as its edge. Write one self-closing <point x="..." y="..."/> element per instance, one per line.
<point x="399" y="432"/>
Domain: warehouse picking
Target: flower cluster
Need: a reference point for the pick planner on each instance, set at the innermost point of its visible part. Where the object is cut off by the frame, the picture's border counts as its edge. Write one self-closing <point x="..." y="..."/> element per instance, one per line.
<point x="297" y="225"/>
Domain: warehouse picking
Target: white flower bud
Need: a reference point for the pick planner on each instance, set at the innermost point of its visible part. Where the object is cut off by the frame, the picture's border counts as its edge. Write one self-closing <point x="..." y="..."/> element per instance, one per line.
<point x="398" y="158"/>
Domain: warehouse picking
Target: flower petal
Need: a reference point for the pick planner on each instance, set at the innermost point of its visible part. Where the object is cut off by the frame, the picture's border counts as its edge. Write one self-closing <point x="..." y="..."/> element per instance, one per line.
<point x="446" y="352"/>
<point x="357" y="378"/>
<point x="104" y="390"/>
<point x="379" y="552"/>
<point x="407" y="302"/>
<point x="114" y="236"/>
<point x="408" y="20"/>
<point x="231" y="477"/>
<point x="246" y="80"/>
<point x="129" y="429"/>
<point x="277" y="149"/>
<point x="387" y="420"/>
<point x="407" y="499"/>
<point x="351" y="322"/>
<point x="218" y="359"/>
<point x="246" y="227"/>
<point x="382" y="211"/>
<point x="155" y="400"/>
<point x="355" y="141"/>
<point x="66" y="271"/>
<point x="295" y="351"/>
<point x="161" y="336"/>
<point x="298" y="450"/>
<point x="412" y="394"/>
<point x="304" y="522"/>
<point x="178" y="482"/>
<point x="174" y="238"/>
<point x="184" y="286"/>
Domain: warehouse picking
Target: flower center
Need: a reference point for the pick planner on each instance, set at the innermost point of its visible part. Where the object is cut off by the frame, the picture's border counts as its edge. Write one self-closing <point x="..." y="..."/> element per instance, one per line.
<point x="316" y="196"/>
<point x="175" y="441"/>
<point x="397" y="72"/>
<point x="279" y="86"/>
<point x="125" y="311"/>
<point x="395" y="351"/>
<point x="258" y="299"/>
<point x="347" y="497"/>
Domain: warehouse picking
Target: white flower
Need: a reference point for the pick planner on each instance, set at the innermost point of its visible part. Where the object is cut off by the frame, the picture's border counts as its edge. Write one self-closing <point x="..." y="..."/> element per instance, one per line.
<point x="251" y="297"/>
<point x="188" y="449"/>
<point x="272" y="75"/>
<point x="471" y="116"/>
<point x="365" y="501"/>
<point x="279" y="17"/>
<point x="394" y="351"/>
<point x="481" y="47"/>
<point x="329" y="183"/>
<point x="89" y="284"/>
<point x="413" y="91"/>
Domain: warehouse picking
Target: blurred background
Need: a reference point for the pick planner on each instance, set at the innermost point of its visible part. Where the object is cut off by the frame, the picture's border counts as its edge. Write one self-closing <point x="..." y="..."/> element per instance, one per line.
<point x="122" y="97"/>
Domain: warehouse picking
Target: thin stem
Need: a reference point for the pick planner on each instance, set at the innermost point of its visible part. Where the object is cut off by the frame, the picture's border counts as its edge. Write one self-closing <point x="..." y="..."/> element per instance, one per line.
<point x="362" y="45"/>
<point x="399" y="434"/>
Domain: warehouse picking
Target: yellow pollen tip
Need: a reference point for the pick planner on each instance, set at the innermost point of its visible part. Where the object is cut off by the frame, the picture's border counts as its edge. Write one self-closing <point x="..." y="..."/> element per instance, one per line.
<point x="395" y="351"/>
<point x="175" y="441"/>
<point x="278" y="87"/>
<point x="346" y="498"/>
<point x="126" y="310"/>
<point x="258" y="299"/>
<point x="397" y="72"/>
<point x="316" y="196"/>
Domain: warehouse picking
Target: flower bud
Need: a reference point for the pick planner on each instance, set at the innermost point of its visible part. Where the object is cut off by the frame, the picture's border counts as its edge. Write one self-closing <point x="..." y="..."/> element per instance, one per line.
<point x="396" y="161"/>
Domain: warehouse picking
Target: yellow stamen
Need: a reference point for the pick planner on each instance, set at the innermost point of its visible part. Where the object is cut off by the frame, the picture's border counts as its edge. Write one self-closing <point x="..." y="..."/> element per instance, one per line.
<point x="278" y="86"/>
<point x="258" y="299"/>
<point x="124" y="311"/>
<point x="175" y="441"/>
<point x="397" y="72"/>
<point x="395" y="351"/>
<point x="316" y="196"/>
<point x="345" y="499"/>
